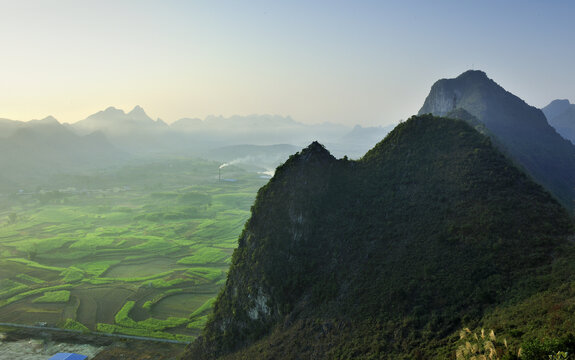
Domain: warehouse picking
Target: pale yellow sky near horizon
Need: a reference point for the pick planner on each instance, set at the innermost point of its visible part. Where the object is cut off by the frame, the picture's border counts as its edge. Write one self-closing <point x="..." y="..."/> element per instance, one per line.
<point x="366" y="62"/>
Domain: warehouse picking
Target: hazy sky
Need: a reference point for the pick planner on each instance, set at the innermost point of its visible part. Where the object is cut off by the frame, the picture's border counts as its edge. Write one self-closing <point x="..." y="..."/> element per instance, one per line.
<point x="356" y="61"/>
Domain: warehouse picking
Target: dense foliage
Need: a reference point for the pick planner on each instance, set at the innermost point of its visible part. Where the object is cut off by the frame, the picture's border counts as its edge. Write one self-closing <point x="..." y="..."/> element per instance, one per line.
<point x="385" y="257"/>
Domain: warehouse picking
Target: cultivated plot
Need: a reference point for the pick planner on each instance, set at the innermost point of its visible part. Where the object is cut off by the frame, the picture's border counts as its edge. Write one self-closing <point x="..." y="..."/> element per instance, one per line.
<point x="141" y="250"/>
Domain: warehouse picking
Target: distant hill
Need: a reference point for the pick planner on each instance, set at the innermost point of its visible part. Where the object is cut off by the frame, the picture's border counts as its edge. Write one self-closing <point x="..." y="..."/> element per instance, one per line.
<point x="9" y="127"/>
<point x="358" y="141"/>
<point x="556" y="107"/>
<point x="521" y="129"/>
<point x="39" y="148"/>
<point x="113" y="122"/>
<point x="134" y="132"/>
<point x="561" y="115"/>
<point x="390" y="256"/>
<point x="259" y="130"/>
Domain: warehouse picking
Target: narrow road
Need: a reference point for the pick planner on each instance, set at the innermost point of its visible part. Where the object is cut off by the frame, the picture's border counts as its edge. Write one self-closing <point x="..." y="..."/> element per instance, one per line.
<point x="93" y="333"/>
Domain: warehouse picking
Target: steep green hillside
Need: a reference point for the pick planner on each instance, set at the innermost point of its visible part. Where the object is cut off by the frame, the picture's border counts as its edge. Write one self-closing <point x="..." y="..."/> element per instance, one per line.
<point x="388" y="256"/>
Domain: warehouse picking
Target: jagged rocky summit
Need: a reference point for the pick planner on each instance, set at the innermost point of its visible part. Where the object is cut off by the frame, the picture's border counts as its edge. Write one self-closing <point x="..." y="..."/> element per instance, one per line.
<point x="385" y="257"/>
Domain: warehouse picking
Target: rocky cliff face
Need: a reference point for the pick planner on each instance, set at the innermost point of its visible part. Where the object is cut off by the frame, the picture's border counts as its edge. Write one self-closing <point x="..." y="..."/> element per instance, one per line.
<point x="383" y="257"/>
<point x="520" y="129"/>
<point x="442" y="99"/>
<point x="282" y="224"/>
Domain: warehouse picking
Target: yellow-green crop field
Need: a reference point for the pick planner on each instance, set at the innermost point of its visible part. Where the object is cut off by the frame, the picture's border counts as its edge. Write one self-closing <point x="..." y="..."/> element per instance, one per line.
<point x="141" y="250"/>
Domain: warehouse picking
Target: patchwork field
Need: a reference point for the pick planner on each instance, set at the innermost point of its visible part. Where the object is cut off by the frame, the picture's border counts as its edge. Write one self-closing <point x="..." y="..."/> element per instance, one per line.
<point x="141" y="250"/>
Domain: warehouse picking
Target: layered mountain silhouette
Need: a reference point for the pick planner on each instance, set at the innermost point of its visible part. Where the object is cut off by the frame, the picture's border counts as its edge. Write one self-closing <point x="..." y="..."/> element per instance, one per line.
<point x="520" y="130"/>
<point x="561" y="115"/>
<point x="115" y="122"/>
<point x="39" y="148"/>
<point x="137" y="133"/>
<point x="134" y="132"/>
<point x="389" y="256"/>
<point x="34" y="149"/>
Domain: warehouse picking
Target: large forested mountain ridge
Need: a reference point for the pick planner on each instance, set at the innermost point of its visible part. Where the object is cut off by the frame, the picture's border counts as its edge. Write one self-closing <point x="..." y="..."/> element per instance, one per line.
<point x="389" y="256"/>
<point x="520" y="130"/>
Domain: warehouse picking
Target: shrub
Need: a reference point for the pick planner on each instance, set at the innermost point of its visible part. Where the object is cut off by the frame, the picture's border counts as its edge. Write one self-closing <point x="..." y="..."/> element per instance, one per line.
<point x="61" y="296"/>
<point x="483" y="347"/>
<point x="72" y="274"/>
<point x="72" y="324"/>
<point x="549" y="348"/>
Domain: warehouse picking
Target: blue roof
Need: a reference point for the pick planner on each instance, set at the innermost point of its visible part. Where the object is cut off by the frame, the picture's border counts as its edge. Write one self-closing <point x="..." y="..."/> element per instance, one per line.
<point x="68" y="356"/>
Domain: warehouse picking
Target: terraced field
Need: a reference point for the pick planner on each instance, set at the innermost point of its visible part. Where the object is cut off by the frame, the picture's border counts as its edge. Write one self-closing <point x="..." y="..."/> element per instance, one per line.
<point x="141" y="250"/>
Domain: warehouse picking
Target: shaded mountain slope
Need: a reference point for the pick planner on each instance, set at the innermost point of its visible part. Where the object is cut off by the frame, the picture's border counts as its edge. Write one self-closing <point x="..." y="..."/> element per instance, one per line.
<point x="528" y="139"/>
<point x="387" y="256"/>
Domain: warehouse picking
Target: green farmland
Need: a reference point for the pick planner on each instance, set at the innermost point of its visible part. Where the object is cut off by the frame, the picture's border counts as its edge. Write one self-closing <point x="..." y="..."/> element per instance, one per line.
<point x="140" y="250"/>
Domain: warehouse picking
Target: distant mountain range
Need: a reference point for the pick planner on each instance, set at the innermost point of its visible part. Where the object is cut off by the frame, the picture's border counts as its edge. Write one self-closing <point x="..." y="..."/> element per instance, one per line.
<point x="561" y="115"/>
<point x="521" y="131"/>
<point x="114" y="122"/>
<point x="36" y="148"/>
<point x="137" y="133"/>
